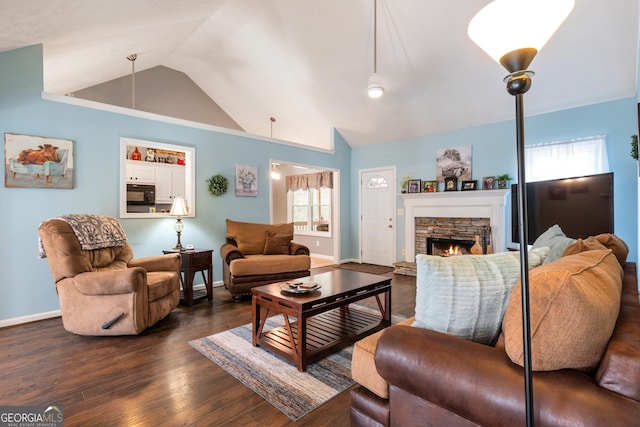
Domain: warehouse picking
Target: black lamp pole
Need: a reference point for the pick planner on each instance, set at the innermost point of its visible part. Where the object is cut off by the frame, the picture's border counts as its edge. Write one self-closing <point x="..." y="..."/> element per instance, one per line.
<point x="518" y="83"/>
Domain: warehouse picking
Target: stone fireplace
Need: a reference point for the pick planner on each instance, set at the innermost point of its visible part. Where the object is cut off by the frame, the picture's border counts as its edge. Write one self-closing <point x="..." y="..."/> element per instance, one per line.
<point x="467" y="211"/>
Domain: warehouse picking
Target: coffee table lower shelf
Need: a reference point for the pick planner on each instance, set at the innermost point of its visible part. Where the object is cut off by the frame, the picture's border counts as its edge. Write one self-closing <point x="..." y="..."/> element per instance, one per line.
<point x="326" y="333"/>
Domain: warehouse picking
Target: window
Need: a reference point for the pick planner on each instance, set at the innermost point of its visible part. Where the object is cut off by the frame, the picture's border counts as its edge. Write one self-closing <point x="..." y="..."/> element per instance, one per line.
<point x="309" y="202"/>
<point x="565" y="159"/>
<point x="311" y="209"/>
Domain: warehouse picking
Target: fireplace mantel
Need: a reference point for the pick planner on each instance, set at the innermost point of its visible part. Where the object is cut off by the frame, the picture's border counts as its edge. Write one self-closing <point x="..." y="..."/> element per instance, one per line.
<point x="490" y="204"/>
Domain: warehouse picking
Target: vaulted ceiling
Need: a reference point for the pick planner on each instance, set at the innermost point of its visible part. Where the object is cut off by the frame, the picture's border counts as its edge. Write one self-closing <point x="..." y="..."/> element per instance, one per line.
<point x="306" y="63"/>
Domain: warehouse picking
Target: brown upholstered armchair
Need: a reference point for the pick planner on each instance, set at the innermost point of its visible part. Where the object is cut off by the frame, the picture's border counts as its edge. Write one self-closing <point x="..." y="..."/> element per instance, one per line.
<point x="99" y="286"/>
<point x="259" y="254"/>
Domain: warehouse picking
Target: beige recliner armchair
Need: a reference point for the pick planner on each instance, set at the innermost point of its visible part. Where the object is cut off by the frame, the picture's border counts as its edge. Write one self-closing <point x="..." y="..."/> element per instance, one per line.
<point x="105" y="291"/>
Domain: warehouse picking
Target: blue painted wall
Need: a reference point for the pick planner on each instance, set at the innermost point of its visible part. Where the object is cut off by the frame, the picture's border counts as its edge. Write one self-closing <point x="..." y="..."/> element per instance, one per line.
<point x="494" y="153"/>
<point x="26" y="287"/>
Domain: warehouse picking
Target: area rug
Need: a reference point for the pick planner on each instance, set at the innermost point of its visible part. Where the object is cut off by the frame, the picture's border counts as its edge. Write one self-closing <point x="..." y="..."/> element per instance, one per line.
<point x="275" y="379"/>
<point x="365" y="268"/>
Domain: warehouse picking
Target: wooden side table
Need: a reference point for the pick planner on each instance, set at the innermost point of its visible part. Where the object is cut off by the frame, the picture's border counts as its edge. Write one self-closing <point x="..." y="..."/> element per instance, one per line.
<point x="194" y="260"/>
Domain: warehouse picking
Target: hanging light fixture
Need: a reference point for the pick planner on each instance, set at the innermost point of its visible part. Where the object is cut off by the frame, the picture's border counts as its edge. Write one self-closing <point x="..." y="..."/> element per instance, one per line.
<point x="133" y="58"/>
<point x="274" y="171"/>
<point x="375" y="89"/>
<point x="512" y="32"/>
<point x="272" y="120"/>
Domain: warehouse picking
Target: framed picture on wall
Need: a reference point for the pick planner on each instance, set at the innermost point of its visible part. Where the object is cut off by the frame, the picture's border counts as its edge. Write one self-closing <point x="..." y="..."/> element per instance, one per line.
<point x="415" y="186"/>
<point x="246" y="180"/>
<point x="37" y="162"/>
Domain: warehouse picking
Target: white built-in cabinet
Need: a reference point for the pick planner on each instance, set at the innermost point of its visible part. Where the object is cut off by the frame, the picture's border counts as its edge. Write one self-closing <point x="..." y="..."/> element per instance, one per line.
<point x="140" y="173"/>
<point x="170" y="182"/>
<point x="169" y="179"/>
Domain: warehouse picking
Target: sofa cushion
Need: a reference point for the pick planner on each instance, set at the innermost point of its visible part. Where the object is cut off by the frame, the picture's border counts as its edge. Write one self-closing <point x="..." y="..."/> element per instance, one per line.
<point x="616" y="244"/>
<point x="574" y="304"/>
<point x="554" y="239"/>
<point x="276" y="244"/>
<point x="467" y="295"/>
<point x="363" y="366"/>
<point x="269" y="264"/>
<point x="583" y="245"/>
<point x="250" y="237"/>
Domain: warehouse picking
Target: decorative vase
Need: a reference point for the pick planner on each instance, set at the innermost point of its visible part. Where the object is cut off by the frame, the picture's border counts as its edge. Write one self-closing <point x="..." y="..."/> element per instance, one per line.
<point x="136" y="155"/>
<point x="476" y="249"/>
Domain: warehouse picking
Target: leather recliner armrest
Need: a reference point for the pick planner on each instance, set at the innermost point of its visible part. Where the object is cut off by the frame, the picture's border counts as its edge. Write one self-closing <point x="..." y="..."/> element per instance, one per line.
<point x="229" y="252"/>
<point x="481" y="384"/>
<point x="298" y="249"/>
<point x="168" y="262"/>
<point x="112" y="282"/>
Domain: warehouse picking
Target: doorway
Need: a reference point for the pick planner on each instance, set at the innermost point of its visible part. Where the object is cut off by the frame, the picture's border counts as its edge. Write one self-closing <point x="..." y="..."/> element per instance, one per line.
<point x="377" y="216"/>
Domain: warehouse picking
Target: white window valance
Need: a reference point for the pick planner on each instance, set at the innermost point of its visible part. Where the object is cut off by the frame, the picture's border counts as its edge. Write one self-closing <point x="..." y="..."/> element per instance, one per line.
<point x="566" y="158"/>
<point x="310" y="180"/>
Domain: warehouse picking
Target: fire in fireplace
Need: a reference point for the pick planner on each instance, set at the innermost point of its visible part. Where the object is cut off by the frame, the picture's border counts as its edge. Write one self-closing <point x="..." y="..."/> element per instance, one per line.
<point x="448" y="247"/>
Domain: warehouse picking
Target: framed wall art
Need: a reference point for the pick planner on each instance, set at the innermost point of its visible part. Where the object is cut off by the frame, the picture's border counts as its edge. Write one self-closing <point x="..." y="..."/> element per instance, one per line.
<point x="37" y="162"/>
<point x="415" y="186"/>
<point x="246" y="180"/>
<point x="454" y="162"/>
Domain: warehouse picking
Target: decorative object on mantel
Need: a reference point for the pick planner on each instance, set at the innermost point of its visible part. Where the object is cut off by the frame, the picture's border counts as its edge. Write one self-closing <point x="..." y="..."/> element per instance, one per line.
<point x="415" y="185"/>
<point x="469" y="185"/>
<point x="217" y="185"/>
<point x="487" y="182"/>
<point x="246" y="180"/>
<point x="451" y="183"/>
<point x="503" y="180"/>
<point x="634" y="146"/>
<point x="429" y="186"/>
<point x="513" y="40"/>
<point x="454" y="162"/>
<point x="404" y="183"/>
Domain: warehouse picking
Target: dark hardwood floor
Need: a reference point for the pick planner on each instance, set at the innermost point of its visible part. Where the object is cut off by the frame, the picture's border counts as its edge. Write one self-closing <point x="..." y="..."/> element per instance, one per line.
<point x="155" y="378"/>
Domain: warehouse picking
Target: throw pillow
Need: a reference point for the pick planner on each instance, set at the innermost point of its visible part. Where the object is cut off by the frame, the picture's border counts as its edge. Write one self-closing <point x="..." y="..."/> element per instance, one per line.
<point x="555" y="240"/>
<point x="616" y="244"/>
<point x="574" y="304"/>
<point x="277" y="244"/>
<point x="467" y="295"/>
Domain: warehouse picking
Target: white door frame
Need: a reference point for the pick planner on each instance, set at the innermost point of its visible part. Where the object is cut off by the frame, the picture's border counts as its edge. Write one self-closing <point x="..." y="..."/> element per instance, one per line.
<point x="360" y="184"/>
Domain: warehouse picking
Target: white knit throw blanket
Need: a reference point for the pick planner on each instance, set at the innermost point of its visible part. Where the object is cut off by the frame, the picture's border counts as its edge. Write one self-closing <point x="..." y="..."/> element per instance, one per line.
<point x="92" y="231"/>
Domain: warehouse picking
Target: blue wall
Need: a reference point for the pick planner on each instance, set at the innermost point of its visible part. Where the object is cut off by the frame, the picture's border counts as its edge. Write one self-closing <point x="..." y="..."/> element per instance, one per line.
<point x="494" y="153"/>
<point x="26" y="287"/>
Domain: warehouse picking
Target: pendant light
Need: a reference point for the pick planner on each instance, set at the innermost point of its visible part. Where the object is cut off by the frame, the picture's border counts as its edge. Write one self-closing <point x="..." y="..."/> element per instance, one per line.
<point x="375" y="89"/>
<point x="133" y="58"/>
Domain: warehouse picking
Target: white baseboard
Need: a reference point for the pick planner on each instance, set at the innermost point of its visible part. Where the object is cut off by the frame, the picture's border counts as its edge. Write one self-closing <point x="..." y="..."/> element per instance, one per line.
<point x="28" y="319"/>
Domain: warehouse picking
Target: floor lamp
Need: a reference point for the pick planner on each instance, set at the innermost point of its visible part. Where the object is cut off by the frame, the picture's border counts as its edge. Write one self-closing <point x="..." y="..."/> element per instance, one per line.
<point x="512" y="32"/>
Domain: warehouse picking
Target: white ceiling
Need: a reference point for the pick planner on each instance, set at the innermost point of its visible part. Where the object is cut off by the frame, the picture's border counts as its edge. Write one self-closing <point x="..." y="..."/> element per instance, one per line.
<point x="306" y="63"/>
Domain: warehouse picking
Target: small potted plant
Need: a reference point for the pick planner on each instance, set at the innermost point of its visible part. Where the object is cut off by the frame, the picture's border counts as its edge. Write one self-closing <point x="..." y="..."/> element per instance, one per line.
<point x="404" y="183"/>
<point x="503" y="180"/>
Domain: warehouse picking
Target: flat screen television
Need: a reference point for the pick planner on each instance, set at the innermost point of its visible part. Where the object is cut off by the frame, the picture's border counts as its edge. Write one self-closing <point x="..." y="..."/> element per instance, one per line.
<point x="581" y="206"/>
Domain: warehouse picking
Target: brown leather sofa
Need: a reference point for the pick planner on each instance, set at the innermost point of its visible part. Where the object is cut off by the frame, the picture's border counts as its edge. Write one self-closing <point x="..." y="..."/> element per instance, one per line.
<point x="436" y="379"/>
<point x="259" y="254"/>
<point x="100" y="285"/>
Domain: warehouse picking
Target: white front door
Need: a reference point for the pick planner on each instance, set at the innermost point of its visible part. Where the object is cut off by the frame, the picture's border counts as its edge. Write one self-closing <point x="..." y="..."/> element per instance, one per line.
<point x="377" y="219"/>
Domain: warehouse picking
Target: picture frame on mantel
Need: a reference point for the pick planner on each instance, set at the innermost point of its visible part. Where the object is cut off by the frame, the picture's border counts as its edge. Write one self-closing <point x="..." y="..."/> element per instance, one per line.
<point x="469" y="185"/>
<point x="451" y="183"/>
<point x="415" y="186"/>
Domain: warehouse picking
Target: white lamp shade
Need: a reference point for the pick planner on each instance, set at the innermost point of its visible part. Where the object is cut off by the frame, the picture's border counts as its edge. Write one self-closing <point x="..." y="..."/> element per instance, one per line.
<point x="179" y="207"/>
<point x="504" y="26"/>
<point x="375" y="89"/>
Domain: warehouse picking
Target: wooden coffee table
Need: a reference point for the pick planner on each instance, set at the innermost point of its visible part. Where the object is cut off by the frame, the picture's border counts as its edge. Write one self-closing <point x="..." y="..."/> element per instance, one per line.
<point x="324" y="323"/>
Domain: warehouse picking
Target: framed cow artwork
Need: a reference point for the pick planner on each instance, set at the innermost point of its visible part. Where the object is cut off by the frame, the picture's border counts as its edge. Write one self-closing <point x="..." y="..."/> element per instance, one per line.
<point x="37" y="162"/>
